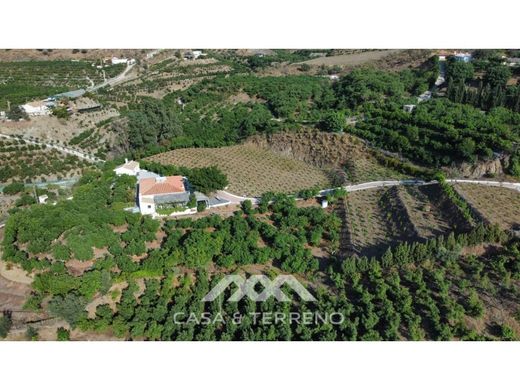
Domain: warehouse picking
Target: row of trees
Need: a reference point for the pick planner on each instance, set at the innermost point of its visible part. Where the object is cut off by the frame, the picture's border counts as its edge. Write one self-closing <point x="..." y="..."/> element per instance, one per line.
<point x="486" y="92"/>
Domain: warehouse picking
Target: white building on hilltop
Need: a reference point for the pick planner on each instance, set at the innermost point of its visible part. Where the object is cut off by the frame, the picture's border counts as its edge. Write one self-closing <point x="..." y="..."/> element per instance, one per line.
<point x="116" y="61"/>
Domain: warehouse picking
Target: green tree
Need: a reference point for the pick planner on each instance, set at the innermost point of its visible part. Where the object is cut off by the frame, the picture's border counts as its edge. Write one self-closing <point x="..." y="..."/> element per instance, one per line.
<point x="333" y="121"/>
<point x="5" y="324"/>
<point x="62" y="334"/>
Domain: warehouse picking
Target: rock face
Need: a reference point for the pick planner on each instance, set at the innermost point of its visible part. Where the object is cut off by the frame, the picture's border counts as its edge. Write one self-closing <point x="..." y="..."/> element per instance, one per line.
<point x="490" y="168"/>
<point x="324" y="150"/>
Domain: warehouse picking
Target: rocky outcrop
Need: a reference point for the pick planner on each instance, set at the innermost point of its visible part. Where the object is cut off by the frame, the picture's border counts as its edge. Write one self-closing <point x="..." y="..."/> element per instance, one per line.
<point x="489" y="168"/>
<point x="324" y="150"/>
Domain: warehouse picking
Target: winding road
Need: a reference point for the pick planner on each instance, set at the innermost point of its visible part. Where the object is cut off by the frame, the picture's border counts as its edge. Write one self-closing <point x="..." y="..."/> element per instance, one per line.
<point x="121" y="77"/>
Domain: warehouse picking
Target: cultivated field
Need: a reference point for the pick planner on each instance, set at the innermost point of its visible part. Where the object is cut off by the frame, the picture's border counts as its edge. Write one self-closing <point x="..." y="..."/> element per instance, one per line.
<point x="27" y="80"/>
<point x="351" y="59"/>
<point x="21" y="161"/>
<point x="377" y="218"/>
<point x="493" y="204"/>
<point x="371" y="222"/>
<point x="424" y="212"/>
<point x="251" y="170"/>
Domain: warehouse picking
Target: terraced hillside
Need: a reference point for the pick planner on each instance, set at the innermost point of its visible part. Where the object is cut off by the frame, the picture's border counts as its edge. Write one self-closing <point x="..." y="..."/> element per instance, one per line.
<point x="378" y="218"/>
<point x="22" y="161"/>
<point x="494" y="205"/>
<point x="21" y="81"/>
<point x="251" y="170"/>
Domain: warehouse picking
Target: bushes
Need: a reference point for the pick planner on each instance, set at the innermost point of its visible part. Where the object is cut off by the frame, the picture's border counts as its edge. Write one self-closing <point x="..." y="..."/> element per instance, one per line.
<point x="62" y="334"/>
<point x="70" y="307"/>
<point x="61" y="252"/>
<point x="13" y="188"/>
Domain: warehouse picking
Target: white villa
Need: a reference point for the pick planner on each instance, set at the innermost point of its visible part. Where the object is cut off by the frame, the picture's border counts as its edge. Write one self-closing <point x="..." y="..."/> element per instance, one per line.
<point x="162" y="192"/>
<point x="155" y="192"/>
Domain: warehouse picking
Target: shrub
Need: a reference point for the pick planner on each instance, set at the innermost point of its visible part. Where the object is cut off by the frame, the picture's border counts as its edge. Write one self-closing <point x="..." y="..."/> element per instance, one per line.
<point x="5" y="324"/>
<point x="13" y="188"/>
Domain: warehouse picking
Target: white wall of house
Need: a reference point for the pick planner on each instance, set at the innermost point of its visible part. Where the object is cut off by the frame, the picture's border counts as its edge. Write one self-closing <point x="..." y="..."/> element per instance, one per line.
<point x="146" y="205"/>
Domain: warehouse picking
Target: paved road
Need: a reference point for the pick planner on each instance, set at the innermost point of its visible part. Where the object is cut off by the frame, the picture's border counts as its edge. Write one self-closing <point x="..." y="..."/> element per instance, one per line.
<point x="63" y="149"/>
<point x="114" y="80"/>
<point x="235" y="199"/>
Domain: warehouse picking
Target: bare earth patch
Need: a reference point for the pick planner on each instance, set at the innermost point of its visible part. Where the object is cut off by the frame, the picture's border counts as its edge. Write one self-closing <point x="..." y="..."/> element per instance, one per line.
<point x="351" y="59"/>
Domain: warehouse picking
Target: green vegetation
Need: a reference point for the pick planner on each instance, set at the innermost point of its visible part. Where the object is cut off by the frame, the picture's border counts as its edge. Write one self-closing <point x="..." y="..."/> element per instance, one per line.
<point x="439" y="132"/>
<point x="60" y="112"/>
<point x="5" y="324"/>
<point x="62" y="334"/>
<point x="22" y="81"/>
<point x="488" y="90"/>
<point x="13" y="188"/>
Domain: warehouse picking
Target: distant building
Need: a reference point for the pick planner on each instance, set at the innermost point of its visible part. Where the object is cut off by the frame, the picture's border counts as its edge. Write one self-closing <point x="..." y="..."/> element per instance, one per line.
<point x="36" y="108"/>
<point x="86" y="105"/>
<point x="42" y="199"/>
<point x="192" y="54"/>
<point x="464" y="57"/>
<point x="116" y="61"/>
<point x="130" y="168"/>
<point x="424" y="96"/>
<point x="162" y="192"/>
<point x="512" y="61"/>
<point x="408" y="108"/>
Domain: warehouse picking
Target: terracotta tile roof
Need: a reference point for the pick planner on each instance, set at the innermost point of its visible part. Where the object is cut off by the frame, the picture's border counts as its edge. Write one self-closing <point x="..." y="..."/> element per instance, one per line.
<point x="161" y="185"/>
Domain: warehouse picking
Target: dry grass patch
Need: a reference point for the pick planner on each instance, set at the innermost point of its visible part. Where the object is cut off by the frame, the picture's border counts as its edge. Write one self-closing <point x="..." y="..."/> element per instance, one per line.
<point x="495" y="204"/>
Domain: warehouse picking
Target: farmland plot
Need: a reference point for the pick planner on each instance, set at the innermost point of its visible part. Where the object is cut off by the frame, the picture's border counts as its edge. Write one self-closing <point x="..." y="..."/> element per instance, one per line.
<point x="495" y="204"/>
<point x="425" y="214"/>
<point x="375" y="220"/>
<point x="26" y="80"/>
<point x="251" y="171"/>
<point x="21" y="161"/>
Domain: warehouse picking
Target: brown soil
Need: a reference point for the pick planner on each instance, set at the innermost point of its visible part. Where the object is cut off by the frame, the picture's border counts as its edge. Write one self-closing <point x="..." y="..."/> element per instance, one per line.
<point x="66" y="54"/>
